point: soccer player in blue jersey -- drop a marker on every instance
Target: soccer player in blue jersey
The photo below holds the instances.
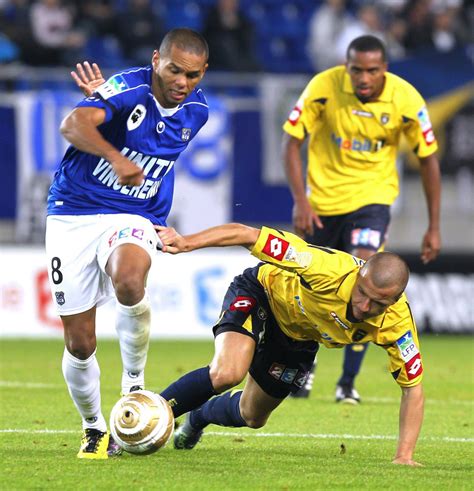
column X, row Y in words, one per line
column 114, row 184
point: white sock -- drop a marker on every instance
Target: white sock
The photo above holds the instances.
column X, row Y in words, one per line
column 133, row 329
column 83, row 381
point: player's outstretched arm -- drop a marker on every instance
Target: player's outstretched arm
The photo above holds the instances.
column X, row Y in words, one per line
column 411, row 418
column 88, row 77
column 230, row 234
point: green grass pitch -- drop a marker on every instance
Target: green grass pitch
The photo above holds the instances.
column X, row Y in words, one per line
column 307, row 444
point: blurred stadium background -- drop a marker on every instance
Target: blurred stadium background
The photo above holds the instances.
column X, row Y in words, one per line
column 233, row 170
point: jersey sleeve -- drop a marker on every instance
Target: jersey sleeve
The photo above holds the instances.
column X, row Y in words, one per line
column 417, row 124
column 406, row 364
column 305, row 115
column 114, row 96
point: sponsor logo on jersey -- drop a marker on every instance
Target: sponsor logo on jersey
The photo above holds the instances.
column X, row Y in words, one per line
column 363, row 114
column 276, row 370
column 60, row 300
column 301, row 379
column 407, row 347
column 154, row 170
column 357, row 145
column 275, row 247
column 384, row 118
column 136, row 117
column 425, row 125
column 243, row 304
column 414, row 367
column 289, row 375
column 160, row 127
column 366, row 237
column 338, row 320
column 112, row 87
column 185, row 134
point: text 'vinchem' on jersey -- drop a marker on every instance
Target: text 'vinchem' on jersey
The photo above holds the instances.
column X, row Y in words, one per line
column 146, row 133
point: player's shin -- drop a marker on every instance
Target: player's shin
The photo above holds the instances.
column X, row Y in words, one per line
column 83, row 382
column 223, row 410
column 189, row 392
column 133, row 329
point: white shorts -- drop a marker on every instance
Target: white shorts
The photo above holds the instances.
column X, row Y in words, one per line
column 78, row 248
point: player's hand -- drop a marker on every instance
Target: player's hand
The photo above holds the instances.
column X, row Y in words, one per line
column 128, row 173
column 172, row 242
column 88, row 77
column 304, row 218
column 404, row 461
column 430, row 246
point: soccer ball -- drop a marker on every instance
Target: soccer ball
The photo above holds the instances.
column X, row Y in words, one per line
column 142, row 422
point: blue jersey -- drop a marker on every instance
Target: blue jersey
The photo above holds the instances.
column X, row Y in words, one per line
column 142, row 130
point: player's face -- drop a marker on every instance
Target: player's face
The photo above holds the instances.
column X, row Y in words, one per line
column 367, row 71
column 368, row 301
column 176, row 74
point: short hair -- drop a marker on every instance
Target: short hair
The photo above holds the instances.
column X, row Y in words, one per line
column 185, row 39
column 367, row 43
column 387, row 270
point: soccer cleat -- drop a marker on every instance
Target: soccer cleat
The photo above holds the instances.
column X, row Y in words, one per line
column 113, row 448
column 347, row 394
column 133, row 388
column 94, row 444
column 186, row 437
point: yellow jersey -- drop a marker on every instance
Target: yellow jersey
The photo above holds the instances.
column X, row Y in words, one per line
column 353, row 145
column 309, row 290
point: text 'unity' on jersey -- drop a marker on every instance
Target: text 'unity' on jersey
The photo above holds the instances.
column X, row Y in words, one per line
column 146, row 133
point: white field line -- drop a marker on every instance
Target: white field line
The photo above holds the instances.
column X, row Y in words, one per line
column 379, row 400
column 319, row 436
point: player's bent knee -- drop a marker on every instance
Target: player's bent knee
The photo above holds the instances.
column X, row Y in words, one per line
column 129, row 289
column 223, row 379
column 80, row 350
column 254, row 423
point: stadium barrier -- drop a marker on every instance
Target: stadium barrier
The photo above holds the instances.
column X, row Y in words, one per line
column 186, row 293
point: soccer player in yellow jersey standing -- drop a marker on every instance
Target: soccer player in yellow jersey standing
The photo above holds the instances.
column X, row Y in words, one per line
column 275, row 315
column 354, row 116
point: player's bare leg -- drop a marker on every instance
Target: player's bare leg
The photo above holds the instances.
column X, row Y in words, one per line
column 82, row 374
column 128, row 267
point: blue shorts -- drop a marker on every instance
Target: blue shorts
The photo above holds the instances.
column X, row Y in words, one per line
column 280, row 364
column 365, row 228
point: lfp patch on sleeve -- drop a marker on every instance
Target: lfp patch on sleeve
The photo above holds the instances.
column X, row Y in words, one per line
column 425, row 125
column 112, row 87
column 276, row 247
column 407, row 346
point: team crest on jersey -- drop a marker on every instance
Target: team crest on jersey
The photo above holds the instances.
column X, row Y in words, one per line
column 185, row 134
column 384, row 118
column 60, row 300
column 160, row 127
column 136, row 117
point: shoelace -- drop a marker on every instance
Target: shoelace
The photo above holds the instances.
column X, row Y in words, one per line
column 93, row 438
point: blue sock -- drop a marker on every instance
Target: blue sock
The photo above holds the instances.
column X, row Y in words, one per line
column 353, row 356
column 221, row 410
column 189, row 392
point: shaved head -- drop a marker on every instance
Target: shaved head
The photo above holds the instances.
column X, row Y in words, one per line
column 387, row 271
column 380, row 283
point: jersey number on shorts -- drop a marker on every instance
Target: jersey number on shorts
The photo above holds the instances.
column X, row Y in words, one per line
column 56, row 274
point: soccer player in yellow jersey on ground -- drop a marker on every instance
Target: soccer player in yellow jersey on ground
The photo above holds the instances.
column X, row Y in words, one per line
column 273, row 318
column 354, row 116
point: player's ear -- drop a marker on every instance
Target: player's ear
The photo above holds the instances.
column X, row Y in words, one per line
column 155, row 59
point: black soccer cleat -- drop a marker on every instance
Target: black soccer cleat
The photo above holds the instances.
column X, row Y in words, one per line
column 346, row 394
column 185, row 436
